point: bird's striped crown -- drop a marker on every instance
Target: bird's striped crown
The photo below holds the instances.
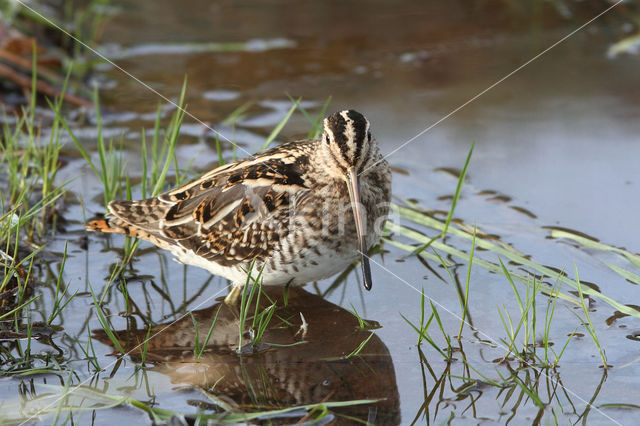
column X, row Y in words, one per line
column 347, row 136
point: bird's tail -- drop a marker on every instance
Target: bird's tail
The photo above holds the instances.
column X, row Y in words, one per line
column 111, row 223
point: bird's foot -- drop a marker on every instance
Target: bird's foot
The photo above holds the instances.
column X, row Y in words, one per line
column 234, row 295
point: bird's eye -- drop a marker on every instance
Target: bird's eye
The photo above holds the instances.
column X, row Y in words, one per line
column 326, row 138
column 368, row 136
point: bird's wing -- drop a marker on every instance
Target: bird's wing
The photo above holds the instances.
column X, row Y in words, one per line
column 231, row 214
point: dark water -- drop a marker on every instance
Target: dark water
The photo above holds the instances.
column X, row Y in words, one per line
column 557, row 144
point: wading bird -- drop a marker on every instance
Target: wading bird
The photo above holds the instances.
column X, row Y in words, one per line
column 299, row 212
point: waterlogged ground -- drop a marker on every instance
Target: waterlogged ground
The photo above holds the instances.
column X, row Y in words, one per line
column 556, row 147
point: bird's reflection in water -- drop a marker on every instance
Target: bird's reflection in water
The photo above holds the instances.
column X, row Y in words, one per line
column 289, row 374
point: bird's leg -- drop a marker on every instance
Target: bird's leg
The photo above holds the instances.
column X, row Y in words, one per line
column 234, row 295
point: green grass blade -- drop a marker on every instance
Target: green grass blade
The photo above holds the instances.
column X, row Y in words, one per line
column 206, row 340
column 276, row 130
column 171, row 141
column 456, row 196
column 18, row 308
column 634, row 259
column 361, row 346
column 627, row 275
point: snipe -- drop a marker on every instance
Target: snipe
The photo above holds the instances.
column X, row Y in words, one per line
column 302, row 211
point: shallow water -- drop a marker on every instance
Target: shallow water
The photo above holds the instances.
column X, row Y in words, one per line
column 556, row 145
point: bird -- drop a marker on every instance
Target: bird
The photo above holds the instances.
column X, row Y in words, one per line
column 299, row 212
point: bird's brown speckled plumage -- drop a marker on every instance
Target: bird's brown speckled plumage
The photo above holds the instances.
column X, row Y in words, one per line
column 287, row 208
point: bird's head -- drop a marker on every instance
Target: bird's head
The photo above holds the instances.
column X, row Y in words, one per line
column 347, row 136
column 348, row 141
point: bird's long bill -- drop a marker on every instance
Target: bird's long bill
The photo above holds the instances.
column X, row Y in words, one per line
column 353, row 183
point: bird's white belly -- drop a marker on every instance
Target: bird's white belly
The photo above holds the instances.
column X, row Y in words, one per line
column 310, row 266
column 307, row 265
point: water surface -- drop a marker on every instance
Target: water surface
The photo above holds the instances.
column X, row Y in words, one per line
column 556, row 145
